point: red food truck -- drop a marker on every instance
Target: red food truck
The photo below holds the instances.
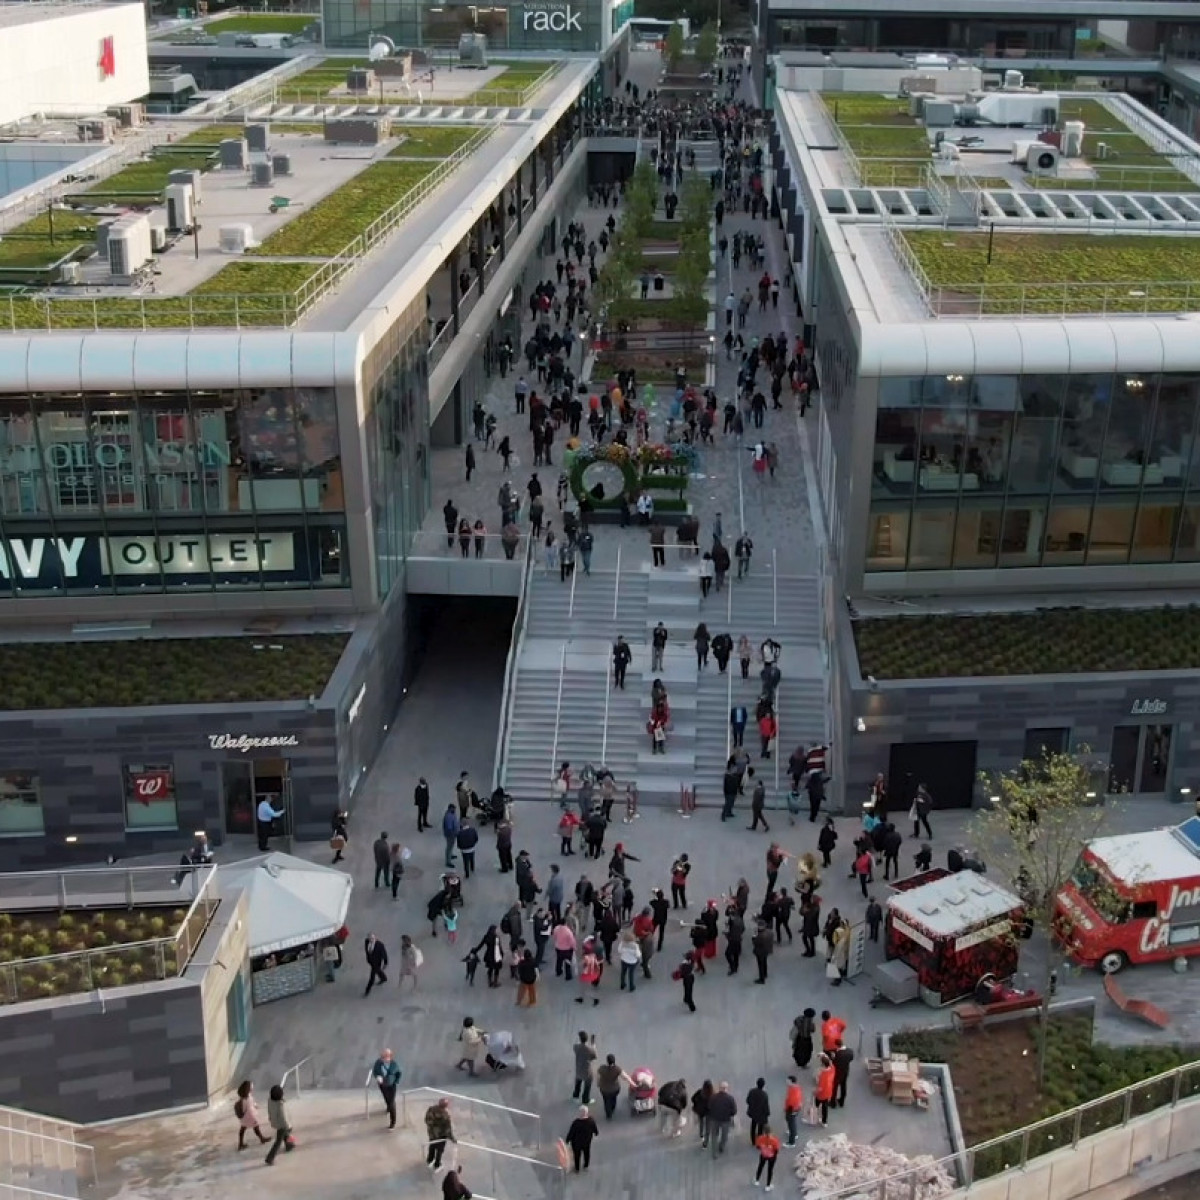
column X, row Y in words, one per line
column 950, row 931
column 1133, row 898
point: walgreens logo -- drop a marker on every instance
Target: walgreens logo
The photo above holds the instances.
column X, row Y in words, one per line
column 245, row 743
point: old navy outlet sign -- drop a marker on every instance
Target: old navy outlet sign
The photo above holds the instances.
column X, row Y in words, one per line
column 91, row 560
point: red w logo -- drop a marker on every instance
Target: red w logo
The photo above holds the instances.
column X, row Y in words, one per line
column 151, row 785
column 108, row 58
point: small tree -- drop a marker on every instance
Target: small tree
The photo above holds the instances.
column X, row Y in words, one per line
column 1041, row 816
column 707, row 45
column 674, row 45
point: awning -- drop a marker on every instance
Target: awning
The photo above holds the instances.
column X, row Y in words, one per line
column 291, row 902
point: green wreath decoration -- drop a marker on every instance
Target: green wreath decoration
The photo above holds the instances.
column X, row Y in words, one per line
column 620, row 457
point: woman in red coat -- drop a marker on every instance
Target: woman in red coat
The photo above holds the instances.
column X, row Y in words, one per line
column 767, row 729
column 824, row 1093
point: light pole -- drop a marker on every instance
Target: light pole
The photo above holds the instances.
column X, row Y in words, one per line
column 712, row 356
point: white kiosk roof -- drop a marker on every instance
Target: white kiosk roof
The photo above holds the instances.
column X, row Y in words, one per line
column 291, row 902
column 952, row 904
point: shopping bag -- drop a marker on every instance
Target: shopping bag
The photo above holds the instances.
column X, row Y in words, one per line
column 809, row 1115
column 831, row 970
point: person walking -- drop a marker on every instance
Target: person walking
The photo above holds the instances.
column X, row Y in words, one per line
column 609, row 1077
column 439, row 1129
column 681, row 868
column 735, row 928
column 700, row 1100
column 527, row 980
column 686, row 974
column 707, row 574
column 672, row 1103
column 660, row 909
column 862, row 869
column 658, row 544
column 467, row 840
column 919, row 812
column 815, row 786
column 703, row 641
column 743, row 549
column 768, row 727
column 793, row 1103
column 277, row 1115
column 874, row 918
column 810, row 925
column 450, row 823
column 585, row 1057
column 745, row 653
column 245, row 1108
column 386, row 1073
column 722, row 1108
column 824, row 1092
column 377, row 961
column 381, row 848
column 266, row 815
column 563, row 940
column 803, row 1030
column 758, row 801
column 504, row 854
column 473, row 1043
column 738, row 716
column 411, row 961
column 762, row 945
column 658, row 646
column 629, row 954
column 421, row 803
column 767, row 1145
column 758, row 1109
column 453, row 1187
column 580, row 1135
column 827, row 840
column 892, row 841
column 622, row 656
column 843, row 1056
column 470, row 460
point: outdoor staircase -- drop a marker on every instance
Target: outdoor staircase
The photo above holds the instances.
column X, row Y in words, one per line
column 601, row 725
column 42, row 1156
column 708, row 154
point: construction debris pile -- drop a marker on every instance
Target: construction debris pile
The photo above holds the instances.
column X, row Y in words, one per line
column 832, row 1164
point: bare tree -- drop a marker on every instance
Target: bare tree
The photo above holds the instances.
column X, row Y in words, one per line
column 1040, row 817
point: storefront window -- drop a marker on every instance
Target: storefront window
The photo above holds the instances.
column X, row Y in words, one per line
column 150, row 796
column 1053, row 470
column 20, row 804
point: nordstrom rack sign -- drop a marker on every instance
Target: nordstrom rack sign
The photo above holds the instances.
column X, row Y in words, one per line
column 551, row 16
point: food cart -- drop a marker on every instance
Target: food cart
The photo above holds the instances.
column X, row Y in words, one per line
column 943, row 934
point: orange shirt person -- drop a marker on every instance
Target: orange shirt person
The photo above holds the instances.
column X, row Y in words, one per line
column 832, row 1029
column 767, row 1145
column 825, row 1082
column 793, row 1102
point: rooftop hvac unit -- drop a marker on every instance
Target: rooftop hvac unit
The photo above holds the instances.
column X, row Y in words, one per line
column 262, row 174
column 1013, row 81
column 129, row 248
column 96, row 129
column 128, row 116
column 256, row 137
column 1020, row 152
column 1042, row 159
column 948, row 152
column 181, row 214
column 360, row 79
column 70, row 272
column 472, row 50
column 1102, row 150
column 158, row 238
column 939, row 114
column 1072, row 139
column 102, row 232
column 236, row 239
column 916, row 103
column 233, row 154
column 188, row 179
column 282, row 164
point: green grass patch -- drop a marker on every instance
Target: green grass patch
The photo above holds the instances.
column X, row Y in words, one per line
column 1029, row 269
column 315, row 85
column 167, row 671
column 332, row 223
column 878, row 127
column 431, row 141
column 141, row 180
column 213, row 135
column 995, row 1080
column 28, row 245
column 1049, row 641
column 263, row 23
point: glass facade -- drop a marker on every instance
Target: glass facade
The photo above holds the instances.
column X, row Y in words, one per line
column 165, row 491
column 990, row 471
column 397, row 426
column 996, row 37
column 527, row 25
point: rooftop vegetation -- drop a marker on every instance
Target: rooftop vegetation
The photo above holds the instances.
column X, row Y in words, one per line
column 431, row 141
column 263, row 23
column 317, row 85
column 57, row 675
column 1036, row 272
column 1047, row 642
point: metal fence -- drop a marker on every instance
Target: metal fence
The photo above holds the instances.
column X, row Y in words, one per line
column 92, row 905
column 30, row 1140
column 1014, row 1151
column 515, row 645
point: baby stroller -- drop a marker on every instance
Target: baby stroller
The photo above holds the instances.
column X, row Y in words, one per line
column 503, row 1052
column 494, row 809
column 643, row 1095
column 452, row 888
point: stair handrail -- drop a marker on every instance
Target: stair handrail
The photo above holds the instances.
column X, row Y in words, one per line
column 774, row 585
column 608, row 690
column 508, row 1108
column 562, row 666
column 617, row 583
column 295, row 1069
column 515, row 645
column 728, row 713
column 571, row 607
column 79, row 1149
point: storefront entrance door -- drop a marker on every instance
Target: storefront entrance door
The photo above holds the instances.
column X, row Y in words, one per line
column 247, row 781
column 1140, row 762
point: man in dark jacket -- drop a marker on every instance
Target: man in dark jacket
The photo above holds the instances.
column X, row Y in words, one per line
column 729, row 789
column 826, row 840
column 762, row 944
column 377, row 960
column 579, row 1137
column 815, row 785
column 892, row 841
column 504, row 846
column 722, row 1108
column 421, row 800
column 735, row 929
column 843, row 1056
column 758, row 1109
column 672, row 1101
column 468, row 839
column 810, row 926
column 382, row 850
column 622, row 656
column 660, row 907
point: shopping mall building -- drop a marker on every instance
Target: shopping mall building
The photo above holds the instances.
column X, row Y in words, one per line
column 175, row 463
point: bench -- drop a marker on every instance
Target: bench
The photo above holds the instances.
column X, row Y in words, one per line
column 974, row 1016
column 1150, row 1013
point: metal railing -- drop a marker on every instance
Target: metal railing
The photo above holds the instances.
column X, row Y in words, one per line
column 26, row 1144
column 527, row 1125
column 608, row 689
column 562, row 668
column 254, row 91
column 116, row 963
column 1014, row 1151
column 294, row 1070
column 515, row 645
